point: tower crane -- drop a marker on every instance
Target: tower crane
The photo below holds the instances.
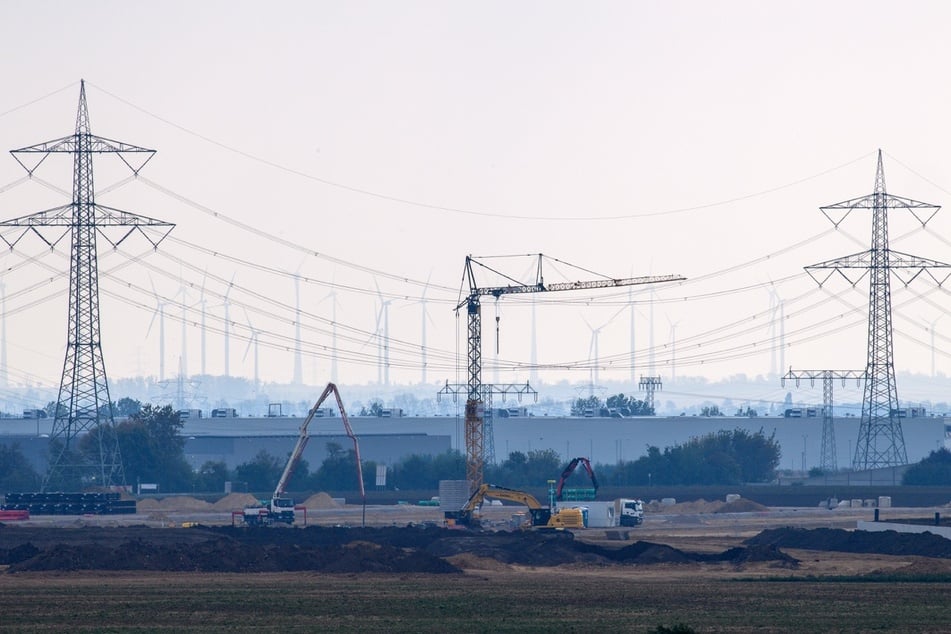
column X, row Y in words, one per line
column 475, row 414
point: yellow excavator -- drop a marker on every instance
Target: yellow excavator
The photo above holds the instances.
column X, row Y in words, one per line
column 542, row 517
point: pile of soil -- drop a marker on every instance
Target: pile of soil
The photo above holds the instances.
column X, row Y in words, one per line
column 741, row 505
column 410, row 549
column 837, row 539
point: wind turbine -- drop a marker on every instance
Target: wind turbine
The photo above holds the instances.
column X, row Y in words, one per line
column 673, row 349
column 160, row 312
column 252, row 341
column 332, row 296
column 203, row 303
column 183, row 361
column 593, row 347
column 227, row 306
column 384, row 359
column 930, row 329
column 776, row 305
column 634, row 312
column 425, row 316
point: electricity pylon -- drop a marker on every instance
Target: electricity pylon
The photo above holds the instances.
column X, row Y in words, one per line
column 83, row 404
column 827, row 453
column 650, row 384
column 488, row 389
column 881, row 442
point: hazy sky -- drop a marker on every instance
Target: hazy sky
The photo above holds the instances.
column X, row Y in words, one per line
column 370, row 146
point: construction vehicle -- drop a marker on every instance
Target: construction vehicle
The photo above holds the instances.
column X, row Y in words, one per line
column 280, row 508
column 542, row 517
column 561, row 493
column 630, row 512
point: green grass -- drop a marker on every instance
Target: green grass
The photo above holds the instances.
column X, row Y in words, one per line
column 546, row 601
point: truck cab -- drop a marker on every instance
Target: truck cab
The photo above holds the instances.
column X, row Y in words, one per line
column 630, row 512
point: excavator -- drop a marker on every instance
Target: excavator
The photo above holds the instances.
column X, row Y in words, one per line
column 280, row 508
column 576, row 494
column 542, row 517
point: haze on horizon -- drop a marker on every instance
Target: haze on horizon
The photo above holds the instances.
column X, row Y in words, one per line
column 333, row 163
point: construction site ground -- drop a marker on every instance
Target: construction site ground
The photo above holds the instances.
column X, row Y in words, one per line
column 178, row 563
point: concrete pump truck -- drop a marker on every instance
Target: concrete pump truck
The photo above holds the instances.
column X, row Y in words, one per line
column 280, row 508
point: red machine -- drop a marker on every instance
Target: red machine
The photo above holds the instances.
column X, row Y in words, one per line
column 588, row 493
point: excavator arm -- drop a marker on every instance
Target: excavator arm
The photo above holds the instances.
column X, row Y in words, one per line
column 571, row 469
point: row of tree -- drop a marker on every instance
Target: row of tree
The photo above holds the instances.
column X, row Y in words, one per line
column 152, row 450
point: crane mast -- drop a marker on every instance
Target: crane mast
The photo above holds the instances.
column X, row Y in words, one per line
column 475, row 414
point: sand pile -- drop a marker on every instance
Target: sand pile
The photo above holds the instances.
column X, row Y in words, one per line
column 148, row 504
column 184, row 503
column 234, row 502
column 685, row 508
column 320, row 501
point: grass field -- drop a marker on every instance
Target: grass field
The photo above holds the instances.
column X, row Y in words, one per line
column 537, row 600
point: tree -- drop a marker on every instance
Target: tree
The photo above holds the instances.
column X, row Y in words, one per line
column 261, row 473
column 211, row 477
column 425, row 471
column 16, row 473
column 338, row 472
column 935, row 470
column 375, row 409
column 724, row 457
column 532, row 469
column 127, row 407
column 628, row 406
column 151, row 448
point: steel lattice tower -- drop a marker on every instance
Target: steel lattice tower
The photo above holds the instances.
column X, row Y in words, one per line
column 83, row 404
column 881, row 442
column 651, row 384
column 827, row 453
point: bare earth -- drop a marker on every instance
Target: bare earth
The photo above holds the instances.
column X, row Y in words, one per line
column 823, row 591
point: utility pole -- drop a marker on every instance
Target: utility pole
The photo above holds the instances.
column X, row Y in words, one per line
column 650, row 384
column 474, row 429
column 83, row 404
column 827, row 457
column 881, row 442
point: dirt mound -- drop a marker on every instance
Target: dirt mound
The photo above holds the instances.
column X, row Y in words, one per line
column 147, row 505
column 320, row 501
column 741, row 505
column 739, row 556
column 234, row 502
column 421, row 549
column 684, row 508
column 923, row 567
column 173, row 503
column 221, row 554
column 837, row 539
column 468, row 561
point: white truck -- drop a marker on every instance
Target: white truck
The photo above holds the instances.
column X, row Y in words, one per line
column 280, row 508
column 630, row 512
